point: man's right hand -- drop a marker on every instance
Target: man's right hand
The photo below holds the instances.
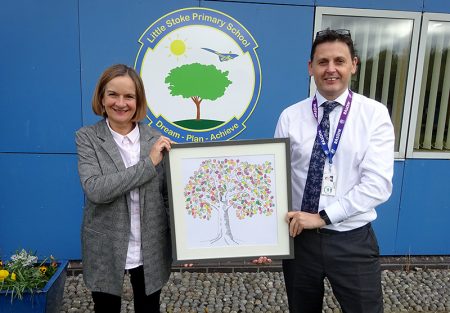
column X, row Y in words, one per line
column 299, row 220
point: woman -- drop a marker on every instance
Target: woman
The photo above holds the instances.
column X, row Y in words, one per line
column 125, row 223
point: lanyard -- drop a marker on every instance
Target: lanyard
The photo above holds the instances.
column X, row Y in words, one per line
column 337, row 135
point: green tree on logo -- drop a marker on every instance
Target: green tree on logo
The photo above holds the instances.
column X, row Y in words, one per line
column 198, row 82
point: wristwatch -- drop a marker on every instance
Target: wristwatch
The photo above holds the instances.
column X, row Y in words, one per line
column 324, row 216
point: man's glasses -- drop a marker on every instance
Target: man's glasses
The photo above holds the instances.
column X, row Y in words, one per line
column 341, row 32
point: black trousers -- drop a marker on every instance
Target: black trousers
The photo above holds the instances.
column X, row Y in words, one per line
column 350, row 261
column 108, row 303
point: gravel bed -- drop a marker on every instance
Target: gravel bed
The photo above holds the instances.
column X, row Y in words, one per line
column 404, row 291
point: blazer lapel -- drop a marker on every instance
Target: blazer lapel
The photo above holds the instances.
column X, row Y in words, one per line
column 146, row 140
column 109, row 145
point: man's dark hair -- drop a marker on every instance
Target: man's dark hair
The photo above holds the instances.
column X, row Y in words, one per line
column 331, row 35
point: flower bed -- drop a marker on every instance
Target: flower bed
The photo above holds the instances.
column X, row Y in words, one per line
column 30, row 287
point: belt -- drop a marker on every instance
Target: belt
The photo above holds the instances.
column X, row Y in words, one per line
column 327, row 231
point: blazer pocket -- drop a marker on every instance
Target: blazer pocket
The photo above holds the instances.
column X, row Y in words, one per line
column 93, row 256
column 162, row 226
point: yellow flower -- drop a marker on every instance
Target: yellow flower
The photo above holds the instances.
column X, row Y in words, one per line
column 54, row 264
column 13, row 276
column 43, row 269
column 3, row 274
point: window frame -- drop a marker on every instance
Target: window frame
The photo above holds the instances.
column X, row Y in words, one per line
column 426, row 19
column 416, row 19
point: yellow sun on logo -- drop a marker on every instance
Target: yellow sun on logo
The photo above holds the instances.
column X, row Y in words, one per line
column 177, row 48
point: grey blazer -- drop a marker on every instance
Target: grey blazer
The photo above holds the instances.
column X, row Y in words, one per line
column 106, row 222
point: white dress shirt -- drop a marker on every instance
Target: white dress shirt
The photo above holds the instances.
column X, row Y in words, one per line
column 130, row 148
column 363, row 162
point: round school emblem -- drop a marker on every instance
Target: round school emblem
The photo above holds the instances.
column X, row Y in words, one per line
column 201, row 74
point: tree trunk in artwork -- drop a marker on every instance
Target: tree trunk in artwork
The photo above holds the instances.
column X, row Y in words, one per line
column 224, row 228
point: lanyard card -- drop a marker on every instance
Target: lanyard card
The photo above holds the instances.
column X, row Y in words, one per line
column 329, row 181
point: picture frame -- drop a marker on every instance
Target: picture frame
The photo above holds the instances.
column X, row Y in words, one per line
column 229, row 199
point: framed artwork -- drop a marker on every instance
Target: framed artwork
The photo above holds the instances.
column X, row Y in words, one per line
column 228, row 200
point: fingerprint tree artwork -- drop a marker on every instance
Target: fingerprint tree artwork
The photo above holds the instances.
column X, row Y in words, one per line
column 222, row 187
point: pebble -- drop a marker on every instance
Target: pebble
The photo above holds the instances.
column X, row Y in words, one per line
column 424, row 290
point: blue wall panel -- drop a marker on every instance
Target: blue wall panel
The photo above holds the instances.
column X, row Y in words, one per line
column 41, row 204
column 291, row 2
column 410, row 5
column 52, row 55
column 386, row 223
column 109, row 34
column 425, row 208
column 39, row 76
column 284, row 36
column 442, row 6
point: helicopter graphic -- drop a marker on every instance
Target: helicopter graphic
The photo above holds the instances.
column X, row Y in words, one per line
column 222, row 56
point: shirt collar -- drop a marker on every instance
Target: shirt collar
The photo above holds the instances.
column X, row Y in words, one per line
column 341, row 99
column 133, row 135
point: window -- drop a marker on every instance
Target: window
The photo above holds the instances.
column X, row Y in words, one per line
column 430, row 136
column 386, row 45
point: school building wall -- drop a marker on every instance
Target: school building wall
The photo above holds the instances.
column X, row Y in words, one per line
column 52, row 53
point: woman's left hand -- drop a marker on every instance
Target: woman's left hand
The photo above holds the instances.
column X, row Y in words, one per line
column 157, row 151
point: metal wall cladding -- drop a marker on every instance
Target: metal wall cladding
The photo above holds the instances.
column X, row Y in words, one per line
column 52, row 55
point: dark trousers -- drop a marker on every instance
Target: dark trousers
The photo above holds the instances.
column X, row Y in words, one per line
column 350, row 261
column 108, row 303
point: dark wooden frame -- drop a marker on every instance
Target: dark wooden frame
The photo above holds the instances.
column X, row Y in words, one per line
column 279, row 148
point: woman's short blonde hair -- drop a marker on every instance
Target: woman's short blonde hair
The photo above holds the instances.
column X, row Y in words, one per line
column 109, row 74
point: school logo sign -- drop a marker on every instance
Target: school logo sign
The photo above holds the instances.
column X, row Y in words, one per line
column 201, row 73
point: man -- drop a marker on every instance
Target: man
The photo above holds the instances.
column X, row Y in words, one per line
column 341, row 170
